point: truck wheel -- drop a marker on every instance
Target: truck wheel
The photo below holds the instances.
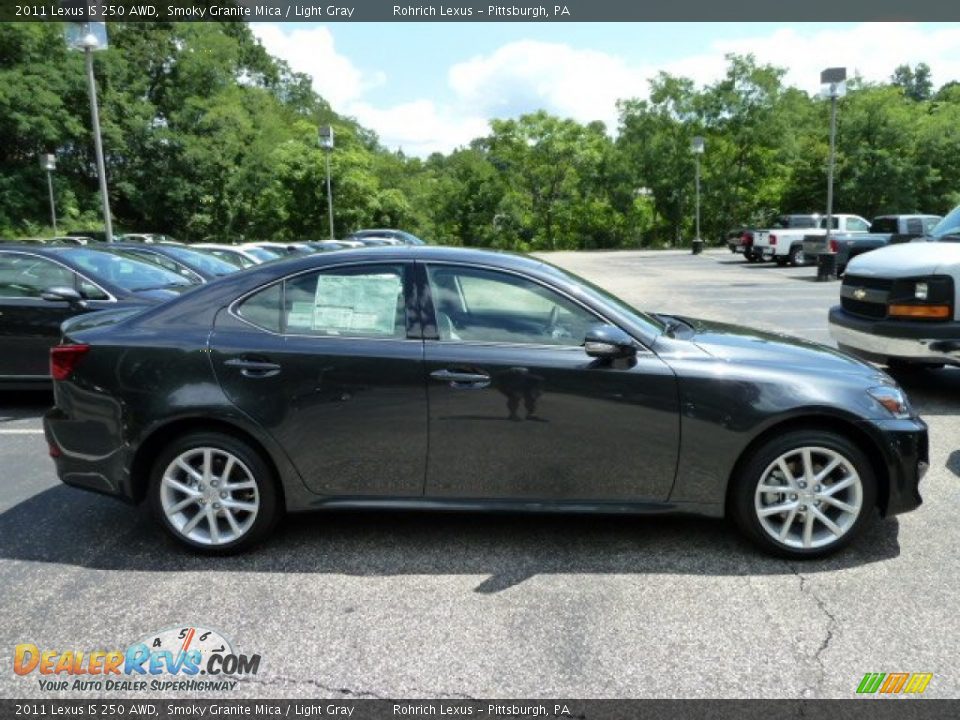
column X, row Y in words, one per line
column 781, row 261
column 796, row 255
column 750, row 257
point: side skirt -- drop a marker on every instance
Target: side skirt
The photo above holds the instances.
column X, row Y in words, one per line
column 514, row 506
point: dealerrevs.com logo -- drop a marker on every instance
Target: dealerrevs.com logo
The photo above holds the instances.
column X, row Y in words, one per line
column 187, row 658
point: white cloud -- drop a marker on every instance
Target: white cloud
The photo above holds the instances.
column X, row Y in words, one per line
column 583, row 83
column 312, row 51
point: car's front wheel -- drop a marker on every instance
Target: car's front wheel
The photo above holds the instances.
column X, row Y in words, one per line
column 805, row 494
column 796, row 256
column 213, row 492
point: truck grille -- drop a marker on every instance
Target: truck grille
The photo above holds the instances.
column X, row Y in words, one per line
column 874, row 294
column 863, row 308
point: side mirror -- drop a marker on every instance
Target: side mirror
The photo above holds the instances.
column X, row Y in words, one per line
column 607, row 341
column 63, row 294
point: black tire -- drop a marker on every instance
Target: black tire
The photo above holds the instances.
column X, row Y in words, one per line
column 267, row 514
column 750, row 257
column 741, row 499
column 781, row 261
column 796, row 257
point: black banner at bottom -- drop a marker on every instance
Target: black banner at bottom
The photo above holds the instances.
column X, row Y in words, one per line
column 875, row 708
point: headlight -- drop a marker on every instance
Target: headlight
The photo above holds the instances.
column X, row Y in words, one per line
column 893, row 399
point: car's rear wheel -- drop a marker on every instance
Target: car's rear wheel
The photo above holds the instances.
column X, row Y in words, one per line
column 805, row 494
column 213, row 492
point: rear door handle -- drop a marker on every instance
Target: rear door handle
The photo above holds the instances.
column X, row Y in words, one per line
column 462, row 379
column 254, row 368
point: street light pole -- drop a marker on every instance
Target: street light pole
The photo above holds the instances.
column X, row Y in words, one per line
column 98, row 144
column 90, row 37
column 325, row 135
column 48, row 162
column 697, row 147
column 833, row 85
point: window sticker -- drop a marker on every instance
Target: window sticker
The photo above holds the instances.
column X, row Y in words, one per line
column 356, row 304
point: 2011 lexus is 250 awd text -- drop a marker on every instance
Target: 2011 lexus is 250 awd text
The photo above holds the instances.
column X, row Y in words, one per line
column 429, row 377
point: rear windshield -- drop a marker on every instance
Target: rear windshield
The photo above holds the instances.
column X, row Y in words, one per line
column 884, row 225
column 203, row 260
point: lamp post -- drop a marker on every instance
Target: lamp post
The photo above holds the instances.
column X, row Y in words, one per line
column 697, row 147
column 833, row 85
column 48, row 161
column 325, row 135
column 91, row 37
column 642, row 193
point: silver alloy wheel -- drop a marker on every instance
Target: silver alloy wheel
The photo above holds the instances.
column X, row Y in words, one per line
column 209, row 496
column 809, row 497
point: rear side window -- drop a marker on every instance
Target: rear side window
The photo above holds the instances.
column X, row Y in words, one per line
column 263, row 308
column 359, row 301
column 857, row 225
column 28, row 276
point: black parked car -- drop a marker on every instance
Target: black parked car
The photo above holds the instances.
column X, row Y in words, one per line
column 42, row 286
column 447, row 378
column 194, row 264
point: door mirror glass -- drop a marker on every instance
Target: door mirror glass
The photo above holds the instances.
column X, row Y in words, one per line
column 62, row 294
column 608, row 341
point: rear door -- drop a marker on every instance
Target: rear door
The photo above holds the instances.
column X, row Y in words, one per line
column 330, row 363
column 30, row 325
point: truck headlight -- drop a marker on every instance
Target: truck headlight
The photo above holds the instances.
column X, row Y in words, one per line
column 893, row 399
column 920, row 291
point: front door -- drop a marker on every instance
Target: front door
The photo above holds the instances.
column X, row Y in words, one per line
column 30, row 325
column 519, row 411
column 330, row 363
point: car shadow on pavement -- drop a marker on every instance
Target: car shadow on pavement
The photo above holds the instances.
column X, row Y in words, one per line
column 931, row 392
column 66, row 526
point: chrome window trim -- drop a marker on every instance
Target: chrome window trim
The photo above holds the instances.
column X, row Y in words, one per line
column 110, row 296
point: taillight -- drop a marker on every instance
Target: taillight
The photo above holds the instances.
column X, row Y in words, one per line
column 834, row 246
column 746, row 239
column 64, row 358
column 773, row 239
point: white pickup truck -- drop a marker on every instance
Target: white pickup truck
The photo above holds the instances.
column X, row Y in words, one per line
column 785, row 244
column 900, row 304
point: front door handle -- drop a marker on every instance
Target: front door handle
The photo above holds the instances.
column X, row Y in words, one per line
column 460, row 379
column 254, row 368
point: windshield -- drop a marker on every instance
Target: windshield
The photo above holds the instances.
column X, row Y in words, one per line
column 202, row 260
column 123, row 270
column 950, row 225
column 261, row 254
column 598, row 293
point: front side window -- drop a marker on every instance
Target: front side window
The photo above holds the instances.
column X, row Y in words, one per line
column 357, row 301
column 28, row 276
column 476, row 305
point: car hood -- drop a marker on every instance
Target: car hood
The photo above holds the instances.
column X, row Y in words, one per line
column 735, row 343
column 907, row 260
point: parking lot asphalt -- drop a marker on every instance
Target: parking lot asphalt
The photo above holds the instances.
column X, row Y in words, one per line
column 446, row 605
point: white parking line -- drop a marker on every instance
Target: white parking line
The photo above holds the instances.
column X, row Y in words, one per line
column 22, row 431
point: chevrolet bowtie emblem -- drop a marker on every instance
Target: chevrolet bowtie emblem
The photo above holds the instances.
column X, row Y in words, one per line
column 859, row 293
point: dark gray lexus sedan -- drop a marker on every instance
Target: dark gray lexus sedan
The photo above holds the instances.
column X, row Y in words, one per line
column 442, row 378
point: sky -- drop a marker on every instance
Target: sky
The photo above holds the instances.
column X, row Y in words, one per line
column 427, row 87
